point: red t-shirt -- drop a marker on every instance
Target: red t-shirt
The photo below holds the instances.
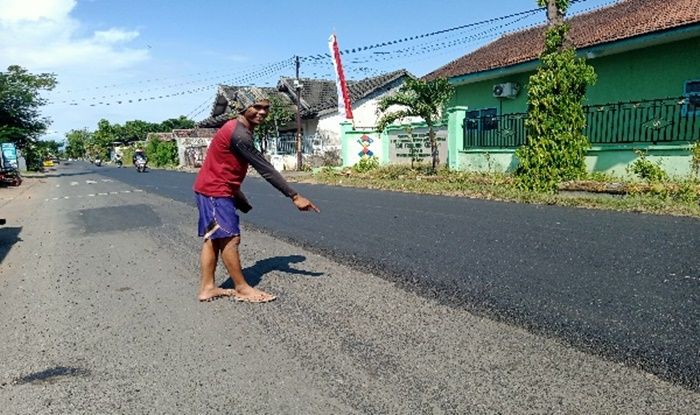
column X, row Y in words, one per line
column 225, row 166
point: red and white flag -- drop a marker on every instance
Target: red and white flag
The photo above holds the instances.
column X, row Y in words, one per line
column 343, row 94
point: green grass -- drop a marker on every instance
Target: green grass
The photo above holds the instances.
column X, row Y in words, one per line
column 680, row 198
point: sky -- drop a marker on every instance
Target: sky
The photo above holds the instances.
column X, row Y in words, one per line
column 152, row 60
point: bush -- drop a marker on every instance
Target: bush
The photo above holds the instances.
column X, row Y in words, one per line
column 646, row 170
column 366, row 164
column 695, row 158
column 162, row 153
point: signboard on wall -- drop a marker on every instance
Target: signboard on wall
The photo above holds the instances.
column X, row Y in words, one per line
column 9, row 155
column 406, row 146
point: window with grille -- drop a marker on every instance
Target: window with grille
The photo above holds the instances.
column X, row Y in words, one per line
column 691, row 107
column 481, row 120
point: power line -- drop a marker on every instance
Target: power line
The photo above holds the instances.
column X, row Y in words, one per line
column 141, row 81
column 324, row 59
column 245, row 78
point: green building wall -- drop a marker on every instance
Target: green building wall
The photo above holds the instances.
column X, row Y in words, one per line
column 652, row 72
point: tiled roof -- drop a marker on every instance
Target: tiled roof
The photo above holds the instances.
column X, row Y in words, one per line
column 232, row 99
column 194, row 132
column 316, row 95
column 160, row 136
column 623, row 20
column 321, row 94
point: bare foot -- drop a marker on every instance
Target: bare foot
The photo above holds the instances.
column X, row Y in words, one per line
column 249, row 294
column 210, row 294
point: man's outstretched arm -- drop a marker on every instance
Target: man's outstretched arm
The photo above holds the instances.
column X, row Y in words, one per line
column 255, row 158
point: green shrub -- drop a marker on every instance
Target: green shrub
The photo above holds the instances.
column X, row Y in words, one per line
column 695, row 158
column 161, row 153
column 647, row 170
column 366, row 164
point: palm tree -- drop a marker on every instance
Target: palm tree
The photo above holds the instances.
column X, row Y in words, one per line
column 418, row 98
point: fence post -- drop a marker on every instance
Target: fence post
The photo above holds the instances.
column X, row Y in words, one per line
column 345, row 143
column 455, row 134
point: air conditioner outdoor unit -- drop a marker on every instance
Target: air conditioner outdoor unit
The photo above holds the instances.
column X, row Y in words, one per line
column 506, row 90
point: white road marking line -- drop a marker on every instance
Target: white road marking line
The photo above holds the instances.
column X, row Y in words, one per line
column 107, row 180
column 66, row 197
column 90, row 181
column 91, row 195
column 126, row 191
column 55, row 198
column 138, row 190
column 74, row 183
column 58, row 185
column 102, row 194
column 113, row 193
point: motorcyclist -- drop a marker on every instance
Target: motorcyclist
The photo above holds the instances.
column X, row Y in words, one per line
column 118, row 160
column 139, row 154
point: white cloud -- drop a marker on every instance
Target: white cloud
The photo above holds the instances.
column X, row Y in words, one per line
column 41, row 35
column 34, row 10
column 115, row 36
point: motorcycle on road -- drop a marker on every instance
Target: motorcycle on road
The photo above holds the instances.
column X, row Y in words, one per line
column 140, row 165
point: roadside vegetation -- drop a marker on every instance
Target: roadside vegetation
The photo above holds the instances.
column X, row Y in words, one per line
column 596, row 191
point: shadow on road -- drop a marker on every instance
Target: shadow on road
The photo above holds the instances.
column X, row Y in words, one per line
column 254, row 274
column 8, row 237
column 51, row 375
column 51, row 173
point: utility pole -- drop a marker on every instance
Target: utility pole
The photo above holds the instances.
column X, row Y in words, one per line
column 297, row 87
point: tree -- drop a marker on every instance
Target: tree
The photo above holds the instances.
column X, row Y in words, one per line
column 279, row 116
column 20, row 100
column 77, row 141
column 135, row 130
column 556, row 146
column 101, row 141
column 417, row 98
column 161, row 153
column 170, row 124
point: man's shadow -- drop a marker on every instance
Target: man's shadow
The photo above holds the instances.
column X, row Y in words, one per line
column 254, row 274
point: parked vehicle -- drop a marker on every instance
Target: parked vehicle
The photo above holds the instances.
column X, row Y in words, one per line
column 10, row 176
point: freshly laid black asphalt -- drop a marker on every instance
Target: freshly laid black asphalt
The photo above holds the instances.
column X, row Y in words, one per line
column 622, row 285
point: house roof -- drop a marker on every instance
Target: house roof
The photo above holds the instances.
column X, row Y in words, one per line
column 321, row 94
column 317, row 95
column 623, row 20
column 232, row 99
column 193, row 132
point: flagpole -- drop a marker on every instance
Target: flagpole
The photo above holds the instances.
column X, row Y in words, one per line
column 344, row 104
column 297, row 86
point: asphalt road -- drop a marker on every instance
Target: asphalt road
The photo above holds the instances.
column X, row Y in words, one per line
column 98, row 314
column 623, row 285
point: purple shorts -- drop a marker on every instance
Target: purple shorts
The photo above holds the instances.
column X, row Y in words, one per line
column 217, row 217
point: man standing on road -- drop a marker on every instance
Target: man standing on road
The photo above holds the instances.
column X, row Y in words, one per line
column 218, row 193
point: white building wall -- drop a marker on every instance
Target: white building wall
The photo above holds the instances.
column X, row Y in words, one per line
column 365, row 114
